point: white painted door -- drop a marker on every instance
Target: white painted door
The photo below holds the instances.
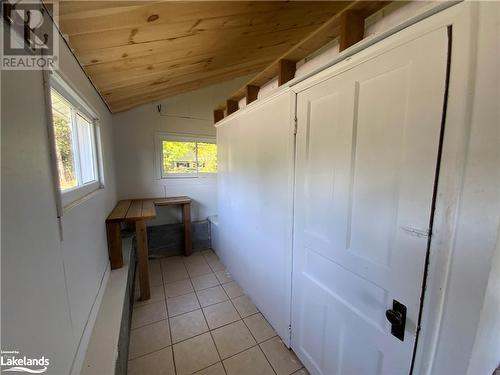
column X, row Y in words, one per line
column 367, row 150
column 255, row 202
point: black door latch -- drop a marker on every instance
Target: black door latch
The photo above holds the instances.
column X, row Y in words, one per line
column 397, row 317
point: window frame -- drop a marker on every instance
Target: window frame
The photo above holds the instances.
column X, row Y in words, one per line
column 78, row 108
column 160, row 137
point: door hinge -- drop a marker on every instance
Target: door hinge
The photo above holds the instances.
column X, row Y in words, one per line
column 295, row 125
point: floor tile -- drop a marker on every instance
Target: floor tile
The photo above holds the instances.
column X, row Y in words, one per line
column 182, row 304
column 154, row 265
column 178, row 288
column 194, row 260
column 205, row 281
column 224, row 277
column 157, row 295
column 173, row 267
column 244, row 306
column 175, row 275
column 148, row 339
column 155, row 279
column 216, row 369
column 302, row 371
column 147, row 314
column 211, row 296
column 220, row 314
column 158, row 363
column 259, row 327
column 282, row 359
column 185, row 283
column 169, row 261
column 195, row 354
column 232, row 339
column 250, row 362
column 233, row 290
column 187, row 325
column 198, row 270
column 216, row 265
column 211, row 257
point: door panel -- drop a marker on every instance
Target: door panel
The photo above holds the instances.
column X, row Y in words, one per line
column 255, row 190
column 367, row 147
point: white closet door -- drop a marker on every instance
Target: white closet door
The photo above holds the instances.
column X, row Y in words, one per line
column 255, row 203
column 367, row 150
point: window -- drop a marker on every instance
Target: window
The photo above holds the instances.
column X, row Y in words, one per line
column 75, row 144
column 182, row 156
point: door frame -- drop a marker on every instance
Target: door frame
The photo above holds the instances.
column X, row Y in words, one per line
column 462, row 19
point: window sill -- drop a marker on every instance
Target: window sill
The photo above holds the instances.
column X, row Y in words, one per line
column 181, row 176
column 83, row 198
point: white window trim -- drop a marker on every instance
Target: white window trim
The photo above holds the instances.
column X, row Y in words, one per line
column 163, row 136
column 70, row 197
column 71, row 95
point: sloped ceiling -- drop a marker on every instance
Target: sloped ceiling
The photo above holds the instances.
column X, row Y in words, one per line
column 140, row 51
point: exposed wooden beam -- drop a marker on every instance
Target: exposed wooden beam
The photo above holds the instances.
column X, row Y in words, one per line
column 286, row 71
column 352, row 28
column 322, row 35
column 218, row 115
column 232, row 106
column 252, row 93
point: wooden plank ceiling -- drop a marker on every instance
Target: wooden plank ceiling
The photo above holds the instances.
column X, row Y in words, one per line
column 137, row 52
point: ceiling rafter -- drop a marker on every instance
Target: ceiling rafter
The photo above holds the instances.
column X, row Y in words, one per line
column 347, row 23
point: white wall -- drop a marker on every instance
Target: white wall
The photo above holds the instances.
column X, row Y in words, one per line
column 189, row 113
column 48, row 286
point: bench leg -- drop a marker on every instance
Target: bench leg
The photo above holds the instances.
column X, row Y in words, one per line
column 142, row 259
column 186, row 219
column 114, row 245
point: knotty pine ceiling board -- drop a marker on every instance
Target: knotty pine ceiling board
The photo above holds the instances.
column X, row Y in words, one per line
column 141, row 51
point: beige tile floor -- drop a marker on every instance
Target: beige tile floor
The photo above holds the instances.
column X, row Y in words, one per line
column 199, row 321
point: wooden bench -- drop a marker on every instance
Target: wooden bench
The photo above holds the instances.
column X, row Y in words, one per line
column 138, row 211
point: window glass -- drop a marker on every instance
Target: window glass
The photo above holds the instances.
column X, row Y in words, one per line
column 85, row 149
column 188, row 158
column 207, row 157
column 179, row 157
column 61, row 115
column 74, row 138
